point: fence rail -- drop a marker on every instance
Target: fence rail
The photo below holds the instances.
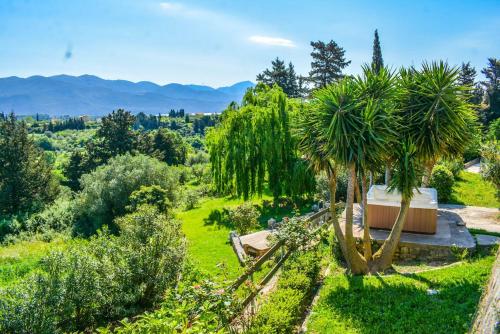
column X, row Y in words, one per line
column 319, row 219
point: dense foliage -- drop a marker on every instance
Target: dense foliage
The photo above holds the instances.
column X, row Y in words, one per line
column 244, row 217
column 281, row 311
column 253, row 144
column 106, row 191
column 26, row 181
column 103, row 279
column 442, row 180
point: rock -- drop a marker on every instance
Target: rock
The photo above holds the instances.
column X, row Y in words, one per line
column 432, row 292
column 271, row 223
column 484, row 240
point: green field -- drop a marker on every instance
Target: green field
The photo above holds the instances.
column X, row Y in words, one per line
column 400, row 303
column 208, row 237
column 19, row 259
column 472, row 189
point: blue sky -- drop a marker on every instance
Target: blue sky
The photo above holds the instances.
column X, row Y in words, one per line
column 221, row 42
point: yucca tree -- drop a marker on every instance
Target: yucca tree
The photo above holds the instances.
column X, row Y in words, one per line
column 333, row 123
column 436, row 112
column 315, row 149
column 405, row 180
column 376, row 93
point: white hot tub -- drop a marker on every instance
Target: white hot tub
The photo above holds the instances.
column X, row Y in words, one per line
column 383, row 209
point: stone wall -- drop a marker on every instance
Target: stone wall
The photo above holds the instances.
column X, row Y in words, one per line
column 487, row 318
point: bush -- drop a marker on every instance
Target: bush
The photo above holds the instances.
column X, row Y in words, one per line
column 490, row 166
column 106, row 191
column 192, row 198
column 99, row 280
column 244, row 217
column 284, row 307
column 454, row 166
column 494, row 130
column 442, row 180
column 150, row 195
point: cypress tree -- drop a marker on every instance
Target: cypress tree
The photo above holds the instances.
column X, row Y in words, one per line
column 377, row 61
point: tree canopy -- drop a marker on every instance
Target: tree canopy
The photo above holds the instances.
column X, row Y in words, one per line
column 328, row 63
column 377, row 61
column 25, row 175
column 253, row 144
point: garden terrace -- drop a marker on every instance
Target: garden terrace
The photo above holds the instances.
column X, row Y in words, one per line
column 449, row 237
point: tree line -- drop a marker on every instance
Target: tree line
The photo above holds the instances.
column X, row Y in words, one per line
column 329, row 61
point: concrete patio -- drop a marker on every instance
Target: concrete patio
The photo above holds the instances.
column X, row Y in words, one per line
column 422, row 246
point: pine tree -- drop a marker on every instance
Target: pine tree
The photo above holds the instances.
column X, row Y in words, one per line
column 467, row 78
column 25, row 177
column 328, row 63
column 276, row 75
column 492, row 87
column 377, row 61
column 467, row 75
column 292, row 85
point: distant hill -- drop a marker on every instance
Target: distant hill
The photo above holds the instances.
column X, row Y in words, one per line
column 91, row 95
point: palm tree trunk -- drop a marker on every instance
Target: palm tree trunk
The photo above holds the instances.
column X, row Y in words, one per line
column 387, row 175
column 356, row 191
column 332, row 182
column 426, row 179
column 382, row 259
column 367, row 242
column 358, row 264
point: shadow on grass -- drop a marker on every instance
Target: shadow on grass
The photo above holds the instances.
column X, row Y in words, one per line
column 284, row 208
column 379, row 304
column 218, row 218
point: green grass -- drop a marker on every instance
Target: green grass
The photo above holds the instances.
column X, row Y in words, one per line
column 208, row 237
column 481, row 231
column 400, row 303
column 208, row 244
column 18, row 260
column 472, row 189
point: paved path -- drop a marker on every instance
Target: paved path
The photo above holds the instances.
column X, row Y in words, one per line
column 474, row 216
column 476, row 168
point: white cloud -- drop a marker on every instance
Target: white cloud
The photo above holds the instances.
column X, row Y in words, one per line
column 274, row 41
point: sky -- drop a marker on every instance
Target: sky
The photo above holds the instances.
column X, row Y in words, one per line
column 221, row 42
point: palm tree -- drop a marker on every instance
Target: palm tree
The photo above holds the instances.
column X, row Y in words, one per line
column 376, row 93
column 330, row 137
column 436, row 112
column 405, row 179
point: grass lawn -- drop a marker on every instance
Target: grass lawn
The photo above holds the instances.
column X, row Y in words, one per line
column 208, row 237
column 208, row 244
column 471, row 189
column 400, row 303
column 19, row 259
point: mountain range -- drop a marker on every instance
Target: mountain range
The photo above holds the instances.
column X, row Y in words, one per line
column 94, row 96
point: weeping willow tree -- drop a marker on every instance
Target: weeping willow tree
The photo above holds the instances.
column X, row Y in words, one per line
column 253, row 145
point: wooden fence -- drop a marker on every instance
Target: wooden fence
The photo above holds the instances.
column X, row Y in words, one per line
column 318, row 219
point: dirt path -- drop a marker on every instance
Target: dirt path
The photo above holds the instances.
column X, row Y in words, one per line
column 476, row 168
column 474, row 216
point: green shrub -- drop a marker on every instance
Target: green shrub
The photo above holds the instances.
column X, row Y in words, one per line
column 106, row 191
column 283, row 309
column 442, row 180
column 280, row 312
column 191, row 198
column 454, row 166
column 490, row 168
column 494, row 130
column 96, row 281
column 244, row 217
column 150, row 195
